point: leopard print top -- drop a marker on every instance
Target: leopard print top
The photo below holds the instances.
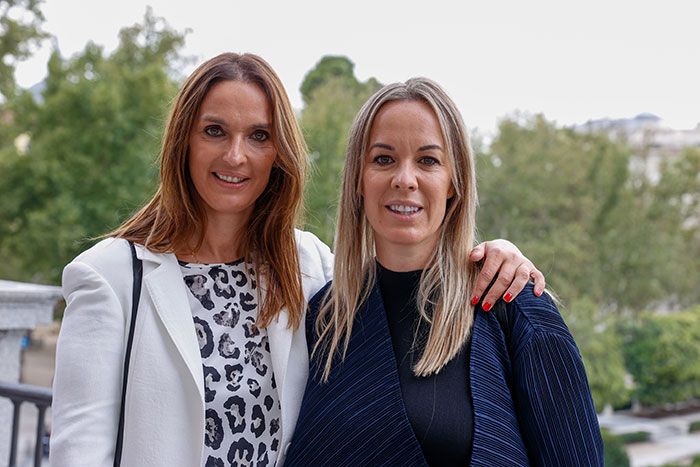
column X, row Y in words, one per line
column 242, row 419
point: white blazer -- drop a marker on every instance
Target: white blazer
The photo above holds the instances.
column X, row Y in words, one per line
column 164, row 414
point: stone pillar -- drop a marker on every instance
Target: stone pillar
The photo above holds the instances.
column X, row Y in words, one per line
column 22, row 307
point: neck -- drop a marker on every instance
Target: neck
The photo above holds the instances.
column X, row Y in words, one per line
column 403, row 258
column 221, row 243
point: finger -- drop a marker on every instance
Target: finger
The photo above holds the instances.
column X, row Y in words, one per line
column 478, row 252
column 503, row 281
column 520, row 278
column 489, row 270
column 540, row 283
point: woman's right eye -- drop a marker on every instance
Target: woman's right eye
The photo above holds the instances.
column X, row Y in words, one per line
column 214, row 130
column 383, row 160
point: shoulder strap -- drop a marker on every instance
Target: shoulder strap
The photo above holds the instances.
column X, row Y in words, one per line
column 137, row 269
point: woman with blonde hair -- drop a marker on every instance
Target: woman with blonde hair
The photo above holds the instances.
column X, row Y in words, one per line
column 180, row 343
column 404, row 371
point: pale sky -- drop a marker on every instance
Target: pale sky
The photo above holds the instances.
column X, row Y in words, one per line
column 571, row 60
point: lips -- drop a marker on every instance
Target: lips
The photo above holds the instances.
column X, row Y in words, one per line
column 230, row 178
column 404, row 209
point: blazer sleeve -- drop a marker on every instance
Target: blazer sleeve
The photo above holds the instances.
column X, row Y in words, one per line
column 553, row 400
column 89, row 361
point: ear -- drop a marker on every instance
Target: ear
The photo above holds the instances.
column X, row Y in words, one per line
column 451, row 192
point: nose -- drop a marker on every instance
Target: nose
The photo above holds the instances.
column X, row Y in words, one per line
column 235, row 153
column 405, row 178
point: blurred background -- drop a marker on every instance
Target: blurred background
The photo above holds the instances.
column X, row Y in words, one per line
column 585, row 120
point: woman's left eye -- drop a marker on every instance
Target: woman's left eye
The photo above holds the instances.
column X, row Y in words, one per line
column 429, row 160
column 260, row 136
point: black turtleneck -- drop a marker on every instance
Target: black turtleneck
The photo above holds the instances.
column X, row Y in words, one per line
column 438, row 406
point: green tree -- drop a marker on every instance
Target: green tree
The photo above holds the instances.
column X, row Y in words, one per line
column 20, row 31
column 614, row 450
column 333, row 96
column 93, row 140
column 570, row 202
column 601, row 349
column 675, row 211
column 662, row 352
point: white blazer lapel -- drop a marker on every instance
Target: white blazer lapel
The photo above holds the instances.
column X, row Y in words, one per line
column 290, row 363
column 166, row 288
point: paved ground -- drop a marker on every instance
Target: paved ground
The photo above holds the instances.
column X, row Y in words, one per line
column 670, row 439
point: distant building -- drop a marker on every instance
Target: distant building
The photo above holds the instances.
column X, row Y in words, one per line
column 652, row 141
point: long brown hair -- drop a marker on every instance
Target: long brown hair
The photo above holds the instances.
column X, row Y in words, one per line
column 449, row 275
column 174, row 216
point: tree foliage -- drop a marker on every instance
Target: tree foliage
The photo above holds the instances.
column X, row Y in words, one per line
column 662, row 353
column 333, row 96
column 614, row 450
column 601, row 349
column 20, row 31
column 93, row 139
column 571, row 203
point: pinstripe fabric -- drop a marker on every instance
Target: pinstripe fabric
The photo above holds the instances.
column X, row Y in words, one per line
column 532, row 404
column 357, row 418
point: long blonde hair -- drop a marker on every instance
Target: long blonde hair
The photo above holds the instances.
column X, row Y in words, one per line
column 449, row 275
column 174, row 215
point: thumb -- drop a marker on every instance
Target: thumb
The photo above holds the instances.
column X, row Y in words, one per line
column 478, row 252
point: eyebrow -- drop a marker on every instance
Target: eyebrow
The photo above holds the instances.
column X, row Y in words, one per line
column 219, row 121
column 428, row 147
column 383, row 146
column 388, row 147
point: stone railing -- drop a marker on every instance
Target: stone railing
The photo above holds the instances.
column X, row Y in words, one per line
column 22, row 308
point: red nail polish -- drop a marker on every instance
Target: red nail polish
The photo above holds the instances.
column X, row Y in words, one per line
column 475, row 299
column 486, row 306
column 538, row 292
column 508, row 297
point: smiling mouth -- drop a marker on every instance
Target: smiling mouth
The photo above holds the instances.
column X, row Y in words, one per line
column 228, row 179
column 404, row 210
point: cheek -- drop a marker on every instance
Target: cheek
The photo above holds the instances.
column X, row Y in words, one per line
column 371, row 189
column 196, row 161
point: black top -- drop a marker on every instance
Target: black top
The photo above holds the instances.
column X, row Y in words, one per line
column 439, row 406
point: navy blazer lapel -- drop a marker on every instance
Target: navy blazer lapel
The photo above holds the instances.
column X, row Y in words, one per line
column 360, row 410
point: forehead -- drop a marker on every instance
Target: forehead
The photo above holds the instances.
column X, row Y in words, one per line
column 406, row 118
column 236, row 98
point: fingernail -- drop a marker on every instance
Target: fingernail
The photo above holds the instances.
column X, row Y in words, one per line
column 475, row 299
column 486, row 306
column 508, row 297
column 538, row 292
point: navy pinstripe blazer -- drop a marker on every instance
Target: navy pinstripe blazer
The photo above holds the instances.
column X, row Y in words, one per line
column 531, row 400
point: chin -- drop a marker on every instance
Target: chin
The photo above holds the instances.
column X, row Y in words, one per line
column 405, row 239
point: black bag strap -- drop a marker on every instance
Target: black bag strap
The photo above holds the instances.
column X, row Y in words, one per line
column 137, row 268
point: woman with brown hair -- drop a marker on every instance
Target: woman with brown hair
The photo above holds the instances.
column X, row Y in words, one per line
column 404, row 369
column 216, row 362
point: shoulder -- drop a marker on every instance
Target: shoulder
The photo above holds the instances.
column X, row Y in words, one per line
column 528, row 318
column 318, row 299
column 315, row 258
column 107, row 257
column 108, row 262
column 540, row 313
